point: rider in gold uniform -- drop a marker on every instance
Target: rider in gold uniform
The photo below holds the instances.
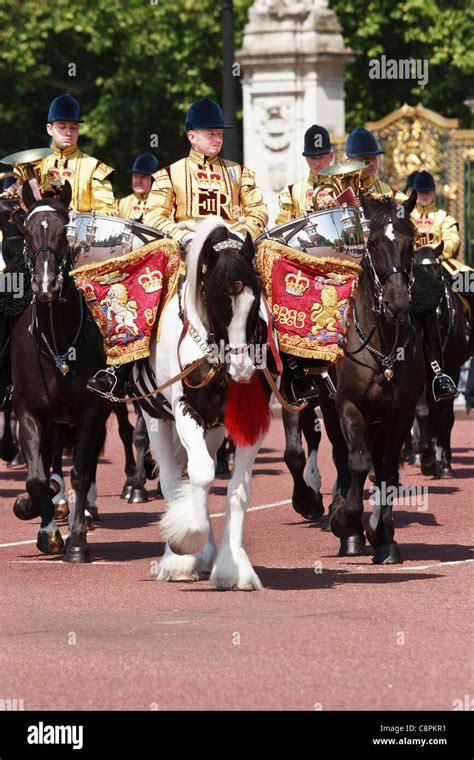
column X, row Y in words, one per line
column 90, row 179
column 297, row 199
column 136, row 205
column 190, row 189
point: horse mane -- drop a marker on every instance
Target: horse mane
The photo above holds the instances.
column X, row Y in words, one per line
column 385, row 210
column 194, row 302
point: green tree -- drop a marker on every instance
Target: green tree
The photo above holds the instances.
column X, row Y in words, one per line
column 439, row 31
column 138, row 66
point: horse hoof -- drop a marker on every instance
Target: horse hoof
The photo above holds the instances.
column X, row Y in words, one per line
column 387, row 554
column 17, row 461
column 342, row 525
column 415, row 459
column 138, row 496
column 79, row 554
column 445, row 473
column 352, row 546
column 126, row 491
column 49, row 543
column 94, row 512
column 428, row 468
column 23, row 508
column 61, row 513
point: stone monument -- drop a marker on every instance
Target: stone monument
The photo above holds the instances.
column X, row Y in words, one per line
column 292, row 63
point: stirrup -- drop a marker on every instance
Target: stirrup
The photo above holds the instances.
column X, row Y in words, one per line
column 439, row 376
column 108, row 395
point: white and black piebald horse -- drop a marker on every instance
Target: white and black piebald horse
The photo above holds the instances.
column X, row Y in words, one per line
column 219, row 317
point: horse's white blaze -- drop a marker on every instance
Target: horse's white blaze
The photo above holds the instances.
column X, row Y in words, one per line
column 44, row 283
column 389, row 231
column 241, row 367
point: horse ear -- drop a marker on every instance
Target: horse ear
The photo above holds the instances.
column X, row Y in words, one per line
column 27, row 195
column 410, row 202
column 248, row 248
column 66, row 194
column 439, row 249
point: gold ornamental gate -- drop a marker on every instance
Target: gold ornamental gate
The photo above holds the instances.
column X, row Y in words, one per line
column 415, row 138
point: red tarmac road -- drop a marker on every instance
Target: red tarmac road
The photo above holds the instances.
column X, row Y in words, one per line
column 348, row 636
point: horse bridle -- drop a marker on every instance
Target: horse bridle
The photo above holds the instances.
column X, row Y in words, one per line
column 62, row 258
column 380, row 280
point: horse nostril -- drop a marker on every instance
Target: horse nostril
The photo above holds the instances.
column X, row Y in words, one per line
column 235, row 288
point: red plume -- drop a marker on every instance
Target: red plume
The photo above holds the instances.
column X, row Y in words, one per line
column 247, row 412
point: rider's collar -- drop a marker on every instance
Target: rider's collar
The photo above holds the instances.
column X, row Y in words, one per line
column 72, row 152
column 422, row 210
column 200, row 158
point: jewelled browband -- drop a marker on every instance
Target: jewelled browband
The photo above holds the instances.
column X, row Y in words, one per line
column 227, row 244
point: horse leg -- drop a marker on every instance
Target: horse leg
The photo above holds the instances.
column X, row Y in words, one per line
column 346, row 518
column 427, row 455
column 138, row 493
column 89, row 436
column 353, row 545
column 8, row 448
column 125, row 428
column 380, row 530
column 233, row 569
column 444, row 426
column 39, row 501
column 306, row 501
column 171, row 567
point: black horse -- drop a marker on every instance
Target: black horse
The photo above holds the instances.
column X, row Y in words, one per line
column 436, row 420
column 380, row 380
column 55, row 348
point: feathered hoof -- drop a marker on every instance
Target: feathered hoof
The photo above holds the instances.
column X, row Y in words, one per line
column 23, row 508
column 77, row 554
column 387, row 554
column 249, row 583
column 49, row 542
column 177, row 569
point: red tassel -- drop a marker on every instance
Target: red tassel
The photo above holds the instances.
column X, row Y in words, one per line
column 247, row 412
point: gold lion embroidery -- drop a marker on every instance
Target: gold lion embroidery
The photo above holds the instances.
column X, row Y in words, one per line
column 120, row 310
column 324, row 315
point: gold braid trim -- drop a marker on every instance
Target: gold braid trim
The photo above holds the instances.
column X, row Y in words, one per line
column 333, row 264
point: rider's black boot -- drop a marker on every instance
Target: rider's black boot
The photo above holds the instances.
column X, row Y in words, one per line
column 442, row 386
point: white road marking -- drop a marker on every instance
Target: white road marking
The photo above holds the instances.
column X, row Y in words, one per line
column 437, row 564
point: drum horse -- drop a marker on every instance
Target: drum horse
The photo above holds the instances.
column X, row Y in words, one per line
column 382, row 374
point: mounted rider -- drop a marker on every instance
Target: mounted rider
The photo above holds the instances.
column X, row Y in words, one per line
column 362, row 145
column 90, row 179
column 136, row 205
column 297, row 200
column 435, row 226
column 192, row 188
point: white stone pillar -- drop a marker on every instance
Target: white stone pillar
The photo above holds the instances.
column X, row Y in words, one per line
column 292, row 62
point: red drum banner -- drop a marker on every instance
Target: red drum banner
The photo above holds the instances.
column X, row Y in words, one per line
column 309, row 298
column 126, row 297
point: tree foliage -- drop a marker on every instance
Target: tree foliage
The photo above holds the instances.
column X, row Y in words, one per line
column 140, row 63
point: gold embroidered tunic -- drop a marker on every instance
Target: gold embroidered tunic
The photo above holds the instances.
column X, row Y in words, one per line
column 434, row 225
column 297, row 199
column 90, row 179
column 197, row 186
column 133, row 206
